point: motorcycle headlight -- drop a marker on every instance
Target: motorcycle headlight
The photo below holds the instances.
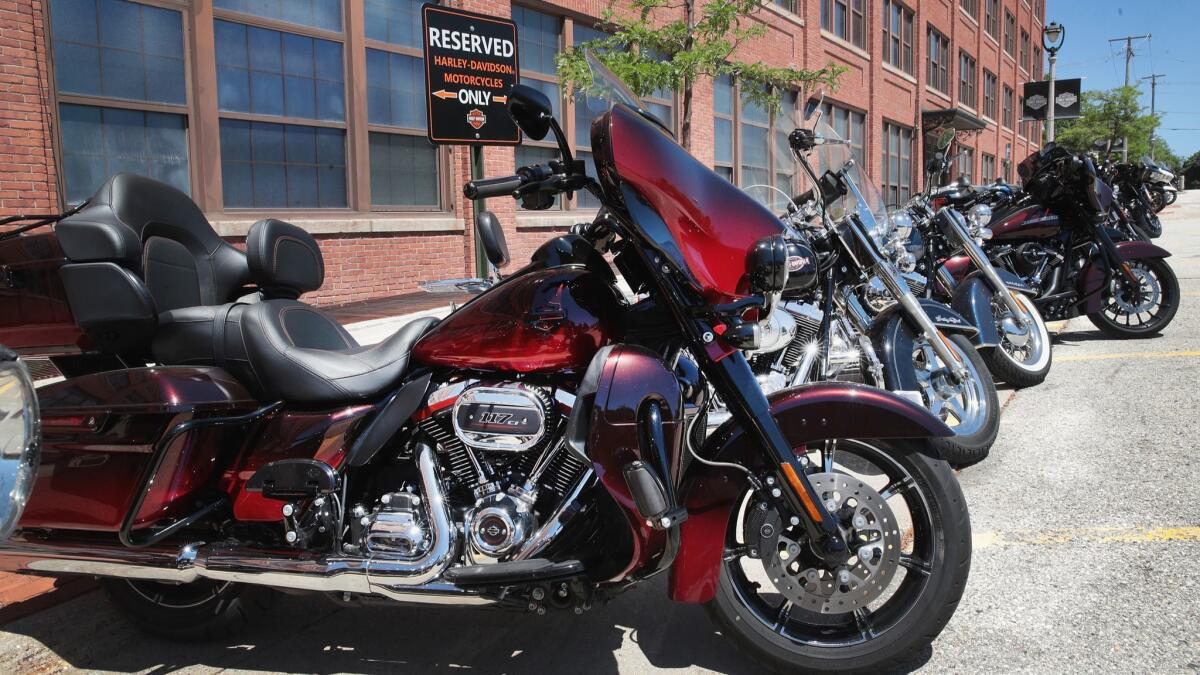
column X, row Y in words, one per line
column 902, row 224
column 979, row 216
column 20, row 439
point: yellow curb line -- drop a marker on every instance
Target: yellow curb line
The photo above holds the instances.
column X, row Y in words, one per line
column 1109, row 535
column 1126, row 355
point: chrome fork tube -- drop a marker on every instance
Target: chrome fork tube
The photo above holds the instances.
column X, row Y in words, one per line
column 977, row 256
column 883, row 269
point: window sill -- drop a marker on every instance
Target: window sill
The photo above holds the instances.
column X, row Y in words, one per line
column 968, row 16
column 994, row 40
column 843, row 43
column 556, row 219
column 790, row 16
column 897, row 71
column 238, row 225
column 939, row 94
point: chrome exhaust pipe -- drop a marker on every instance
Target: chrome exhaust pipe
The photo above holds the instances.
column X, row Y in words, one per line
column 394, row 578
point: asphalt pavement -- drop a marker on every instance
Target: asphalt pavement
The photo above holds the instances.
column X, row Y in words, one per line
column 1086, row 523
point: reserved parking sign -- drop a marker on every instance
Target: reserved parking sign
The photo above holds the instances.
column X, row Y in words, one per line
column 470, row 65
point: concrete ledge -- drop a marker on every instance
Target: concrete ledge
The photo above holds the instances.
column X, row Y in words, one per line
column 349, row 224
column 554, row 218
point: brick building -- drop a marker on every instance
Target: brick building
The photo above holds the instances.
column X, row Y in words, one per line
column 311, row 110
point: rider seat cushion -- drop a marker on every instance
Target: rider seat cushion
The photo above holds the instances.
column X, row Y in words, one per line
column 285, row 260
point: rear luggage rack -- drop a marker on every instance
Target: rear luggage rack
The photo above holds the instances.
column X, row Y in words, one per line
column 39, row 220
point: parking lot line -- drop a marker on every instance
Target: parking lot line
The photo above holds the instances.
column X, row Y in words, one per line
column 1103, row 535
column 1126, row 355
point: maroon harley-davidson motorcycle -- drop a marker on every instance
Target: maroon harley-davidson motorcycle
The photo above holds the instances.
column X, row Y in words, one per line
column 542, row 448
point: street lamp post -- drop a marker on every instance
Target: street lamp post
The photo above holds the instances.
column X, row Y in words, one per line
column 1053, row 37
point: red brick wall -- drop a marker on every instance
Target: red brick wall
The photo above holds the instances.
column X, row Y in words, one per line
column 27, row 175
column 365, row 266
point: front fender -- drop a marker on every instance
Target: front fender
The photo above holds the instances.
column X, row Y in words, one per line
column 973, row 299
column 1093, row 276
column 805, row 414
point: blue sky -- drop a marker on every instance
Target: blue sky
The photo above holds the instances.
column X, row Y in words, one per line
column 1174, row 51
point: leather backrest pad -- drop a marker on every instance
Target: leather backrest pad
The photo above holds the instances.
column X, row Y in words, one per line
column 285, row 260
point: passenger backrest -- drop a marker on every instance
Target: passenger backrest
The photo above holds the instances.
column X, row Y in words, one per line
column 148, row 249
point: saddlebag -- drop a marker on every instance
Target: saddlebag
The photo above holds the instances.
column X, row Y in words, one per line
column 100, row 434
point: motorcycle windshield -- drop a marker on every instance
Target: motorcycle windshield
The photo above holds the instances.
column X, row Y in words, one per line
column 862, row 197
column 700, row 222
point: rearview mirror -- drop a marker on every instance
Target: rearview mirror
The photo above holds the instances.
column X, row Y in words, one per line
column 813, row 105
column 945, row 138
column 531, row 110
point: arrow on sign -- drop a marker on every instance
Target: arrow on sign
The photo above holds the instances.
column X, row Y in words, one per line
column 500, row 99
column 442, row 93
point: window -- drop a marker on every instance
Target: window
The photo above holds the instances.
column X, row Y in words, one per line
column 262, row 72
column 1021, row 115
column 1037, row 63
column 324, row 14
column 990, row 83
column 991, row 18
column 898, row 35
column 971, row 7
column 846, row 19
column 1010, row 33
column 584, row 113
column 897, row 163
column 939, row 61
column 987, row 170
column 964, row 166
column 850, row 125
column 723, row 121
column 404, row 165
column 1008, row 107
column 1024, row 50
column 1039, row 10
column 966, row 79
column 120, row 78
column 792, row 6
column 539, row 37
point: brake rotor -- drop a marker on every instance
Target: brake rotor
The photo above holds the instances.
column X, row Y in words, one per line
column 1145, row 296
column 804, row 579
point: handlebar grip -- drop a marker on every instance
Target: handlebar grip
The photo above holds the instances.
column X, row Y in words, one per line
column 492, row 187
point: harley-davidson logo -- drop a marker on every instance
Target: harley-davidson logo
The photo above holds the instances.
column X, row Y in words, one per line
column 796, row 263
column 476, row 118
column 1036, row 102
column 1066, row 99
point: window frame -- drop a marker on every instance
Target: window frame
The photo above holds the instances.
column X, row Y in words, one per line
column 1023, row 62
column 736, row 120
column 991, row 18
column 1010, row 34
column 940, row 71
column 968, row 79
column 1008, row 121
column 856, row 21
column 991, row 91
column 970, row 8
column 187, row 110
column 905, row 42
column 984, row 160
column 903, row 191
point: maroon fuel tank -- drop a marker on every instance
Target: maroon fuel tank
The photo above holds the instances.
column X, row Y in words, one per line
column 1028, row 222
column 541, row 321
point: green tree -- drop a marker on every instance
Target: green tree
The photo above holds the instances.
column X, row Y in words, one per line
column 1108, row 116
column 650, row 54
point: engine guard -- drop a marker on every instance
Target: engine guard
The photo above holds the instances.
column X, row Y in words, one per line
column 805, row 414
column 1094, row 277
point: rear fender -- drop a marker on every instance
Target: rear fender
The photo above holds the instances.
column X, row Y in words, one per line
column 1093, row 276
column 805, row 414
column 973, row 299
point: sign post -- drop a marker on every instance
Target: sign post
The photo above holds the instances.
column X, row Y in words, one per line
column 470, row 66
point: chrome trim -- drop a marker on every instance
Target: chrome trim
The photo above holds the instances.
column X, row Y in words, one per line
column 984, row 265
column 567, row 509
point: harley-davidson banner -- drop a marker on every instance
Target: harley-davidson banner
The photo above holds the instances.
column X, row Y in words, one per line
column 470, row 65
column 1037, row 101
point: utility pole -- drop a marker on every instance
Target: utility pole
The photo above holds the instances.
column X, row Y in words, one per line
column 1153, row 85
column 1128, row 39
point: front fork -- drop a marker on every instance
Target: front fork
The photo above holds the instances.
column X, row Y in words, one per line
column 959, row 230
column 1114, row 259
column 883, row 269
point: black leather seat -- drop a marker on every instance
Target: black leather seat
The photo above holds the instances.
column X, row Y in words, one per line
column 280, row 347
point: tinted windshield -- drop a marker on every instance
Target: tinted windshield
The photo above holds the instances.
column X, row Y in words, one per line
column 607, row 90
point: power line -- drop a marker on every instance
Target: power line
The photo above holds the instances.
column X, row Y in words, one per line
column 1128, row 60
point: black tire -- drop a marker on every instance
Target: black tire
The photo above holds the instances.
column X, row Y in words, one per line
column 201, row 610
column 1169, row 290
column 1006, row 368
column 922, row 618
column 971, row 446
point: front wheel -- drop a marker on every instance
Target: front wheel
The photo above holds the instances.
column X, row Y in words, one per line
column 792, row 610
column 1023, row 356
column 1129, row 312
column 201, row 610
column 970, row 407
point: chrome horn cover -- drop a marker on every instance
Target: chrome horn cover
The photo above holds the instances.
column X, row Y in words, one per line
column 20, row 440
